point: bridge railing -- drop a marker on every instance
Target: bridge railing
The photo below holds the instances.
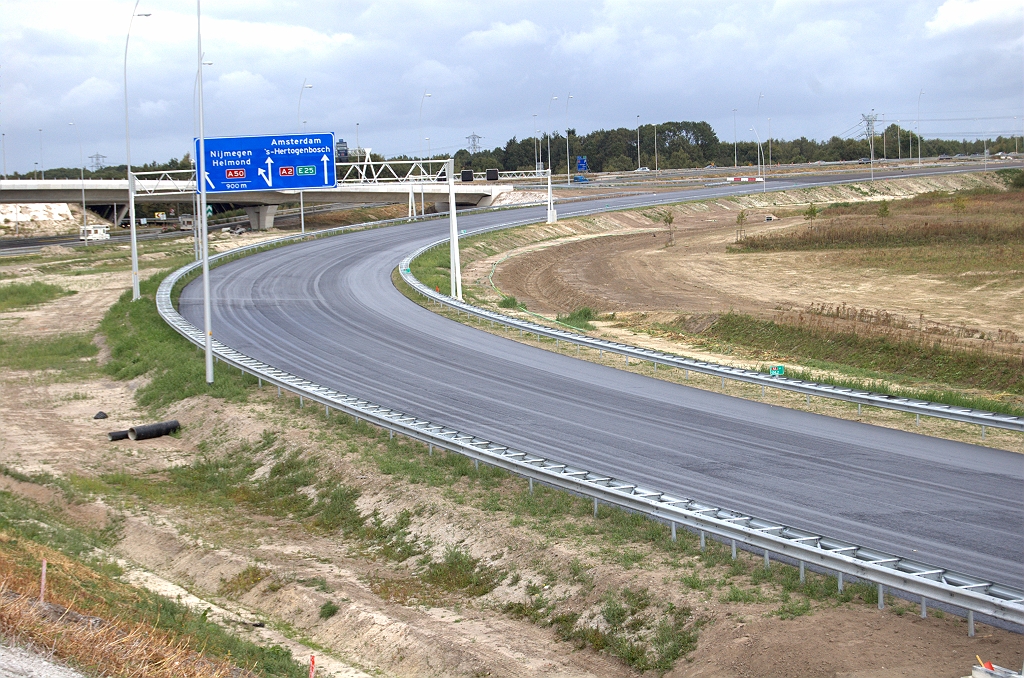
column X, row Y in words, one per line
column 165, row 181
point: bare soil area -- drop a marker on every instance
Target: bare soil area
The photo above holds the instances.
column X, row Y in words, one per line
column 389, row 622
column 628, row 265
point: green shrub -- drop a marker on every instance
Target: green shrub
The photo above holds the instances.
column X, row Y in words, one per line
column 580, row 318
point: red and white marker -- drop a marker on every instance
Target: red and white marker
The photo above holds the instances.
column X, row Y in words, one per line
column 744, row 179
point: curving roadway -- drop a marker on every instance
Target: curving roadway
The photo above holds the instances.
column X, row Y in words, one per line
column 326, row 310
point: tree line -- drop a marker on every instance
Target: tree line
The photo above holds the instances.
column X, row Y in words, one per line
column 667, row 145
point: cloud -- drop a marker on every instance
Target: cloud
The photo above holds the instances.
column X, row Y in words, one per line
column 505, row 35
column 92, row 92
column 956, row 15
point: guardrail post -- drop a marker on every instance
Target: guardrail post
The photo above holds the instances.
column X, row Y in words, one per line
column 278, row 391
column 702, row 540
column 917, row 419
column 881, row 597
column 734, row 549
column 767, row 563
column 531, row 492
column 982, row 431
column 673, row 530
column 260, row 379
column 858, row 409
column 924, row 607
column 803, row 577
column 762, row 390
column 300, row 402
column 970, row 623
column 627, row 359
column 840, row 580
column 808, row 398
column 686, row 375
column 327, row 410
column 723, row 382
column 476, row 464
column 595, row 507
column 430, row 449
column 391, row 434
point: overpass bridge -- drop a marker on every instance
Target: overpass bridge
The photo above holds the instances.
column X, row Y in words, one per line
column 414, row 182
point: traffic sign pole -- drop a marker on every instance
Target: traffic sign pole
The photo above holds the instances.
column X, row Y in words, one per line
column 200, row 174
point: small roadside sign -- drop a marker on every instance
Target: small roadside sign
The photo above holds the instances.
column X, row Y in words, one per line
column 777, row 370
column 279, row 162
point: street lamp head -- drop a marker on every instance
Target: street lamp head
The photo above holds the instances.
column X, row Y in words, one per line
column 143, row 15
column 207, row 63
column 308, row 86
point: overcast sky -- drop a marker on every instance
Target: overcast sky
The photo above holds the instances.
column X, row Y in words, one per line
column 491, row 66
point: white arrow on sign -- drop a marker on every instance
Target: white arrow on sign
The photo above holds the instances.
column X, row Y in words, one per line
column 325, row 159
column 209, row 180
column 268, row 176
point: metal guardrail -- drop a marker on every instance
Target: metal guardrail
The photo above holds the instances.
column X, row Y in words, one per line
column 982, row 418
column 843, row 557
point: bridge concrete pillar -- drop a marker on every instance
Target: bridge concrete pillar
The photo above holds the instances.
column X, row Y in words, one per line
column 119, row 213
column 261, row 217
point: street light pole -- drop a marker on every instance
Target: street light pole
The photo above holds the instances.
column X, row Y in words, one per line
column 769, row 147
column 41, row 166
column 548, row 133
column 128, row 163
column 568, row 166
column 638, row 142
column 201, row 179
column 302, row 204
column 81, row 169
column 536, row 131
column 919, row 129
column 760, row 157
column 422, row 99
column 735, row 153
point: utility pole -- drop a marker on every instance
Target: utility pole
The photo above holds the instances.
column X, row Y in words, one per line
column 869, row 130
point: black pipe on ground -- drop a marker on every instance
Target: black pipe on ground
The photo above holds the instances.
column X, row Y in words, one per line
column 117, row 435
column 148, row 431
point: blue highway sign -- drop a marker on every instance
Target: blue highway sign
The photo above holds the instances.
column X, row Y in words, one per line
column 581, row 164
column 280, row 162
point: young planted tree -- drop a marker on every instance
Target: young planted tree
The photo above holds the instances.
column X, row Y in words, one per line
column 811, row 212
column 669, row 219
column 883, row 209
column 959, row 207
column 741, row 218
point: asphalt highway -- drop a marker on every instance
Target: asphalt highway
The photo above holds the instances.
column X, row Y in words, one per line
column 327, row 311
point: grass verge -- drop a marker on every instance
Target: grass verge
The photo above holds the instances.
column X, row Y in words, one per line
column 19, row 295
column 140, row 630
column 141, row 343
